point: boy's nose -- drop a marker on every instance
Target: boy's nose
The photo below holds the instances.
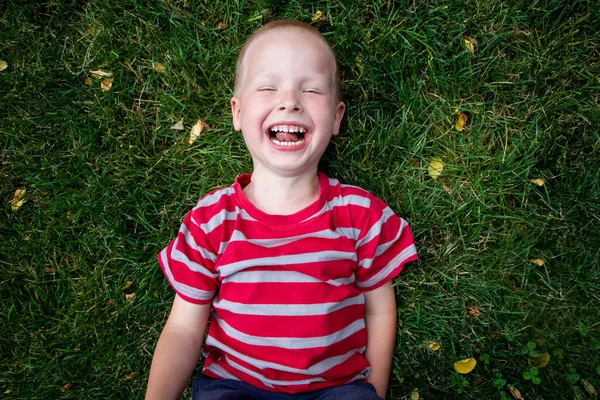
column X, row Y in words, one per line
column 290, row 102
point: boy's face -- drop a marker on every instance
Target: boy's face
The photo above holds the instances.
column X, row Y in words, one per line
column 287, row 109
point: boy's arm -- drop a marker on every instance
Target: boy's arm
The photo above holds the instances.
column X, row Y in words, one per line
column 380, row 319
column 178, row 349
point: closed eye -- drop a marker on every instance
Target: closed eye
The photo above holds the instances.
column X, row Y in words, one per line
column 311, row 91
column 266, row 89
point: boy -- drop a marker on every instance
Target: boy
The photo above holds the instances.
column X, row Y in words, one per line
column 296, row 266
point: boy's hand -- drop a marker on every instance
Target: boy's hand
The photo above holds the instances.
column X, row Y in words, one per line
column 380, row 319
column 178, row 349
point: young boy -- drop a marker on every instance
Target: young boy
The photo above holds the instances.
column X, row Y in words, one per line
column 296, row 267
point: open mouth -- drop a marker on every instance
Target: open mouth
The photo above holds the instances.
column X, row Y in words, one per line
column 287, row 135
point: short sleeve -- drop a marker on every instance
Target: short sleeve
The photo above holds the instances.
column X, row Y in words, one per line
column 188, row 263
column 385, row 244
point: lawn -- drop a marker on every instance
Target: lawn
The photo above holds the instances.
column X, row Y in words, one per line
column 508, row 233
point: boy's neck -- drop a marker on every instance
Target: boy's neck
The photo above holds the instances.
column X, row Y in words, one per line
column 282, row 195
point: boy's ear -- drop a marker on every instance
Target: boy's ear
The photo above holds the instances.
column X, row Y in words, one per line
column 337, row 117
column 236, row 113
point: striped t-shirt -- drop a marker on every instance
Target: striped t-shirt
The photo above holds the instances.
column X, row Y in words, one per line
column 287, row 291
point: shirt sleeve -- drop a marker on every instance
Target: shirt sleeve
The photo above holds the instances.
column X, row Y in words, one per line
column 384, row 245
column 188, row 263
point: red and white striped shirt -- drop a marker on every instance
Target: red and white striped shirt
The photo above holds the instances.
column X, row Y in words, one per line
column 287, row 291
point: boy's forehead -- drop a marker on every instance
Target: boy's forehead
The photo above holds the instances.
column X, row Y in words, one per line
column 289, row 38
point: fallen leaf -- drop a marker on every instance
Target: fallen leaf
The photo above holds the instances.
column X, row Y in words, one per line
column 359, row 64
column 435, row 346
column 18, row 199
column 69, row 215
column 105, row 85
column 197, row 130
column 159, row 67
column 88, row 81
column 221, row 26
column 516, row 393
column 318, row 16
column 445, row 187
column 129, row 377
column 101, row 74
column 465, row 366
column 178, row 126
column 590, row 388
column 7, row 391
column 50, row 270
column 474, row 312
column 66, row 387
column 414, row 395
column 538, row 261
column 3, row 65
column 539, row 182
column 129, row 297
column 461, row 122
column 541, row 360
column 127, row 285
column 435, row 167
column 470, row 44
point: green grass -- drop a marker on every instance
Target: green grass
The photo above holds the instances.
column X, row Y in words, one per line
column 108, row 182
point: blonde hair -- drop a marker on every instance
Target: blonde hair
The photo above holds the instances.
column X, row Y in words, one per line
column 284, row 24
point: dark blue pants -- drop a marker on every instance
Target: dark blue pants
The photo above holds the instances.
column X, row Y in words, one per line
column 206, row 388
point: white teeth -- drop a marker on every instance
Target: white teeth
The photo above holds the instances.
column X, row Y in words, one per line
column 287, row 128
column 287, row 144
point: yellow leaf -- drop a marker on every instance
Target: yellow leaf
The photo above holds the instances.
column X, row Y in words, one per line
column 589, row 388
column 18, row 199
column 541, row 360
column 435, row 167
column 159, row 67
column 88, row 81
column 538, row 261
column 129, row 377
column 178, row 126
column 359, row 64
column 414, row 395
column 127, row 285
column 539, row 182
column 470, row 44
column 318, row 16
column 105, row 85
column 129, row 297
column 101, row 74
column 7, row 391
column 3, row 65
column 465, row 366
column 516, row 393
column 197, row 130
column 435, row 346
column 66, row 387
column 461, row 122
column 221, row 26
